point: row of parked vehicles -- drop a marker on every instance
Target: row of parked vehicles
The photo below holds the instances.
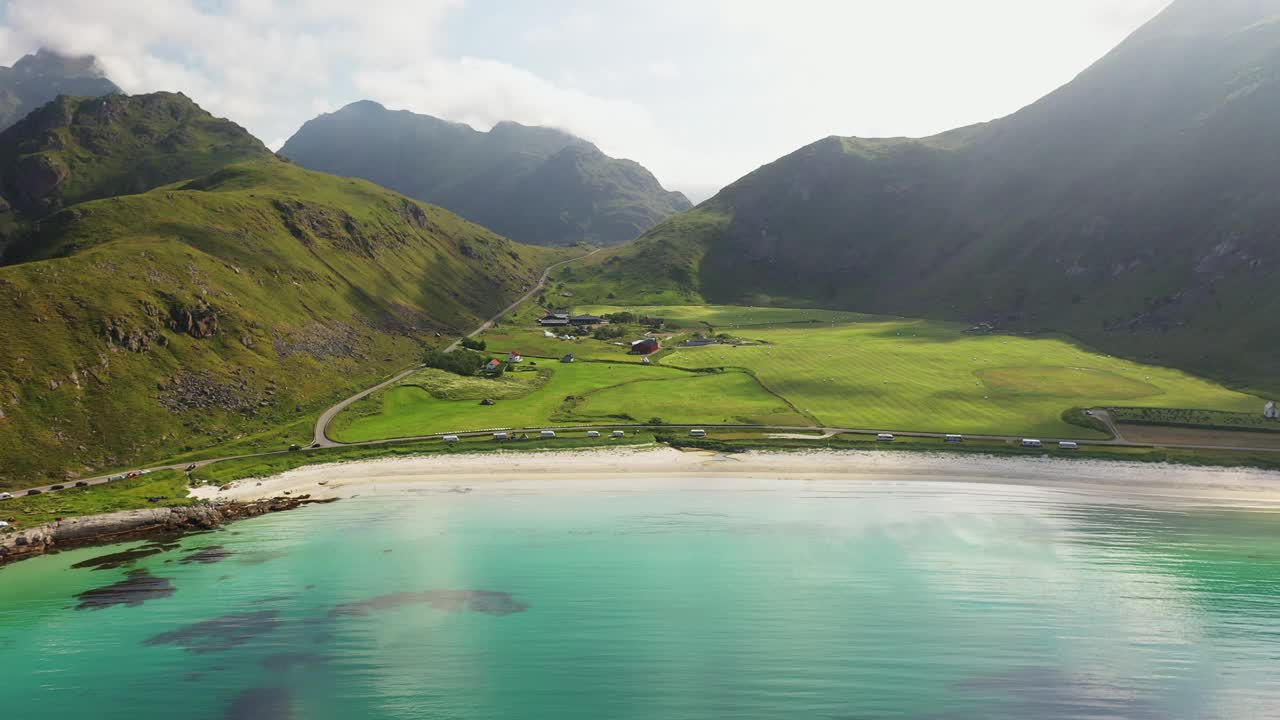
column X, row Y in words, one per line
column 78, row 483
column 551, row 435
column 1030, row 443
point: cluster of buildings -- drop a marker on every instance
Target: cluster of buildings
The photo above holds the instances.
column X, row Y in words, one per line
column 562, row 318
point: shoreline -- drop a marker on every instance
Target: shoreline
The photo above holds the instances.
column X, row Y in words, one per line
column 641, row 468
column 627, row 468
column 133, row 525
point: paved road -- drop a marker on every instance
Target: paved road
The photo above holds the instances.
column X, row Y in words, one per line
column 321, row 435
column 605, row 429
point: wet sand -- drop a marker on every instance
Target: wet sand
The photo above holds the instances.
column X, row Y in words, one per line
column 638, row 468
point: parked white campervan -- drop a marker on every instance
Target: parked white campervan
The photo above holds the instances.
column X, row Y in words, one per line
column 450, row 438
column 593, row 433
column 1031, row 443
column 1068, row 445
column 619, row 433
column 501, row 436
column 547, row 434
column 697, row 433
column 955, row 438
column 885, row 437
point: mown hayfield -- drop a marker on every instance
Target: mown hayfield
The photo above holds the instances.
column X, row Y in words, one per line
column 727, row 398
column 922, row 375
column 572, row 394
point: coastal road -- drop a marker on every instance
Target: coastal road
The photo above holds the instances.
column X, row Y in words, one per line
column 321, row 435
column 1049, row 443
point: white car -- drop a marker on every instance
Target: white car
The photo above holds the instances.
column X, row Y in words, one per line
column 6, row 496
column 3, row 524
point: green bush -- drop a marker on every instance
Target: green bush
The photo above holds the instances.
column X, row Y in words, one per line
column 462, row 362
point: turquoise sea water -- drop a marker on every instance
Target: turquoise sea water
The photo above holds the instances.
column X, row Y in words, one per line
column 667, row 599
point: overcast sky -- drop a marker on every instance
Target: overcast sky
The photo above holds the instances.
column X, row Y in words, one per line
column 700, row 91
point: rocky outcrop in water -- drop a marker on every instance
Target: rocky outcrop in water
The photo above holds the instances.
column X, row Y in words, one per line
column 135, row 524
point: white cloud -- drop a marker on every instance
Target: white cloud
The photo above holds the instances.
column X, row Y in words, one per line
column 664, row 69
column 700, row 91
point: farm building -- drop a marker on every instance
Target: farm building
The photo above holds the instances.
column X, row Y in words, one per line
column 1271, row 411
column 646, row 346
column 554, row 320
column 514, row 357
column 568, row 358
column 585, row 320
column 493, row 366
column 701, row 342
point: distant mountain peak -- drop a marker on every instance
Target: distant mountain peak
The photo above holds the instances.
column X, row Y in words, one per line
column 540, row 185
column 364, row 105
column 37, row 78
column 1133, row 208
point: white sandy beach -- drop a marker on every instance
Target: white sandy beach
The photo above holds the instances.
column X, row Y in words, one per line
column 635, row 468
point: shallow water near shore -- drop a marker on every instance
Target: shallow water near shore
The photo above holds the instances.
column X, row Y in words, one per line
column 667, row 598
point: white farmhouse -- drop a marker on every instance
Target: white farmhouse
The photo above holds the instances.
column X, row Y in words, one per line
column 1271, row 411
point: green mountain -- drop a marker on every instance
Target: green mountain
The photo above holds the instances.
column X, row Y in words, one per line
column 75, row 149
column 36, row 79
column 224, row 306
column 1137, row 208
column 534, row 184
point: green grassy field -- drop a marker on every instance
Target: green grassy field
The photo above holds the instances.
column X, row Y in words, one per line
column 932, row 376
column 809, row 367
column 29, row 511
column 573, row 394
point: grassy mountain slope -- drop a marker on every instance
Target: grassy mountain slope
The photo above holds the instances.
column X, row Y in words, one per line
column 140, row 326
column 76, row 149
column 1136, row 208
column 538, row 185
column 36, row 79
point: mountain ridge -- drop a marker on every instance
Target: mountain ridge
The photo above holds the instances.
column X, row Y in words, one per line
column 220, row 307
column 535, row 184
column 1134, row 208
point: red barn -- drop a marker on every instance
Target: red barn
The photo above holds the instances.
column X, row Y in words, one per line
column 647, row 346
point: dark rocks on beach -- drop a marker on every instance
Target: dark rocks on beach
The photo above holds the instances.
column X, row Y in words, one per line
column 137, row 587
column 261, row 704
column 489, row 602
column 219, row 634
